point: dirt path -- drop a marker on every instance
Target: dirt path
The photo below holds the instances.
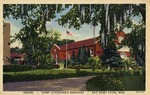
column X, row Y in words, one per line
column 67, row 84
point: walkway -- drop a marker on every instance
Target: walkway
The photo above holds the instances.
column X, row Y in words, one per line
column 67, row 84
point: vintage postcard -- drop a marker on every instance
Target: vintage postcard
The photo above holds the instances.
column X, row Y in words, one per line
column 86, row 47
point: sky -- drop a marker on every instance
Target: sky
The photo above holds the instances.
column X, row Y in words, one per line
column 83, row 33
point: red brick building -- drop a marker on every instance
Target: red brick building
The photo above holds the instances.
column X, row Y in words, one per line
column 124, row 52
column 18, row 58
column 120, row 36
column 59, row 52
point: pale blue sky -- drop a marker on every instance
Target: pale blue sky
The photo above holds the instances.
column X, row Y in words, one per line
column 84, row 33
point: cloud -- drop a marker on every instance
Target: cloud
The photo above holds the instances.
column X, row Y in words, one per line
column 48, row 24
column 136, row 20
column 14, row 29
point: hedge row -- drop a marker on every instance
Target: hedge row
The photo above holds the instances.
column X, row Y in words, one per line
column 48, row 67
column 15, row 68
column 32, row 77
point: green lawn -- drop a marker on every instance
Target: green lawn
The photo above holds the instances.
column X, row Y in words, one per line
column 105, row 80
column 124, row 83
column 132, row 83
column 53, row 71
column 41, row 71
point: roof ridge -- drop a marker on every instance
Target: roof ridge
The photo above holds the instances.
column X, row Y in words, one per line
column 86, row 42
column 79, row 41
column 86, row 39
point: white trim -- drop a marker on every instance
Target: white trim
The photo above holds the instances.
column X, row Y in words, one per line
column 56, row 46
column 125, row 49
column 123, row 55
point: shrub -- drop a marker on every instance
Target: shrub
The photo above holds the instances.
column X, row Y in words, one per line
column 16, row 67
column 48, row 66
column 94, row 62
column 43, row 67
column 104, row 83
column 129, row 63
column 55, row 66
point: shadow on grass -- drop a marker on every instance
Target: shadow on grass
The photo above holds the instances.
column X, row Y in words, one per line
column 131, row 82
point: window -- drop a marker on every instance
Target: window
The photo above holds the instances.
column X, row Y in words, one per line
column 123, row 55
column 91, row 52
column 120, row 38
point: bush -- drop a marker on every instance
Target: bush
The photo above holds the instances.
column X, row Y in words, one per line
column 114, row 81
column 43, row 67
column 16, row 67
column 48, row 66
column 55, row 66
column 104, row 83
column 33, row 77
column 94, row 63
column 129, row 63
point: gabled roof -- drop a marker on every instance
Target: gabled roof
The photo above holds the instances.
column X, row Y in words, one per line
column 56, row 46
column 78, row 44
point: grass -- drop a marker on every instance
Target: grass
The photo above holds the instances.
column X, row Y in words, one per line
column 117, row 83
column 126, row 82
column 132, row 83
column 41, row 71
column 52, row 71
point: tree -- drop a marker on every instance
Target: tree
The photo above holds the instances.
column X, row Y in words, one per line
column 88, row 53
column 104, row 14
column 111, row 17
column 47, row 61
column 84, row 55
column 63, row 41
column 14, row 50
column 136, row 42
column 94, row 62
column 128, row 63
column 32, row 15
column 79, row 56
column 35, row 47
column 33, row 18
column 53, row 35
column 73, row 57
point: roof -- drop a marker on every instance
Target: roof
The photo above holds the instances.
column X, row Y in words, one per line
column 16, row 55
column 120, row 36
column 124, row 49
column 73, row 45
column 55, row 46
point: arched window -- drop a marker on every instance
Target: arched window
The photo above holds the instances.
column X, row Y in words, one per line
column 120, row 38
column 123, row 55
column 91, row 52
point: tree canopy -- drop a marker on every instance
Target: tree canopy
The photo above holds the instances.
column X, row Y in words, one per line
column 109, row 17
